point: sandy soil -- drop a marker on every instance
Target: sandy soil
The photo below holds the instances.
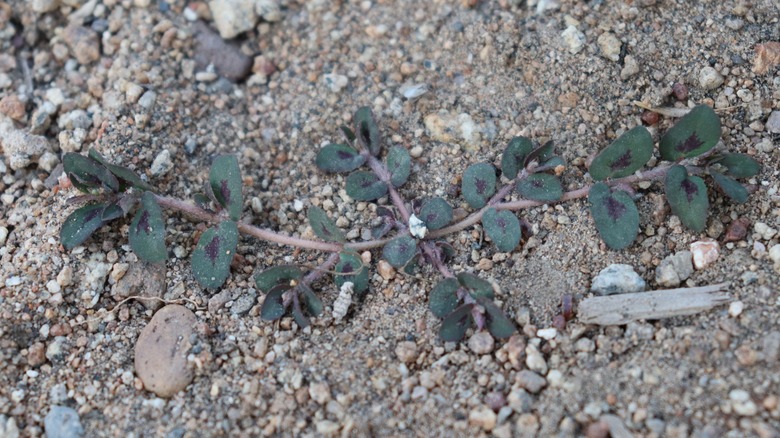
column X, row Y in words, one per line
column 499, row 68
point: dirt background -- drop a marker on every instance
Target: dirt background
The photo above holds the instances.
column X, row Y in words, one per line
column 500, row 66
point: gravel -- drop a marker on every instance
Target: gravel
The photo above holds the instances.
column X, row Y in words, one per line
column 617, row 279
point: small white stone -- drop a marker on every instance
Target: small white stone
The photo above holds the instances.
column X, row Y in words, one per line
column 548, row 333
column 297, row 205
column 574, row 39
column 735, row 308
column 162, row 163
column 555, row 378
column 53, row 287
column 3, row 235
column 705, row 252
column 417, row 227
column 709, row 78
column 610, row 46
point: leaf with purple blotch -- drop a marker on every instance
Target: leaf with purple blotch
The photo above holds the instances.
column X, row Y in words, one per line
column 696, row 133
column 455, row 325
column 272, row 277
column 731, row 187
column 738, row 165
column 503, row 228
column 435, row 213
column 476, row 286
column 225, row 183
column 624, row 156
column 147, row 231
column 399, row 251
column 213, row 254
column 339, row 158
column 81, row 224
column 323, row 227
column 687, row 195
column 365, row 186
column 478, row 184
column 350, row 268
column 615, row 215
column 87, row 174
column 367, row 131
column 513, row 159
column 540, row 187
column 444, row 297
column 399, row 163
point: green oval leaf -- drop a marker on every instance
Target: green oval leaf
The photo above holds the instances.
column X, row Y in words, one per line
column 731, row 187
column 498, row 324
column 615, row 215
column 81, row 224
column 542, row 154
column 476, row 286
column 339, row 158
column 323, row 227
column 694, row 134
column 111, row 212
column 739, row 165
column 503, row 229
column 273, row 306
column 399, row 163
column 277, row 275
column 399, row 251
column 687, row 195
column 147, row 231
column 540, row 187
column 365, row 186
column 436, row 213
column 478, row 184
column 513, row 159
column 299, row 317
column 350, row 268
column 213, row 254
column 444, row 297
column 366, row 130
column 225, row 180
column 85, row 173
column 127, row 178
column 624, row 156
column 310, row 300
column 454, row 326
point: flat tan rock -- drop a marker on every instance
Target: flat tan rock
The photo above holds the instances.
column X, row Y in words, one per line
column 162, row 348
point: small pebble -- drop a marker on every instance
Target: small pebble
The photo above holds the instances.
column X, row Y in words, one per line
column 62, row 422
column 680, row 91
column 483, row 417
column 481, row 343
column 772, row 124
column 385, row 270
column 83, row 43
column 319, row 392
column 735, row 308
column 705, row 253
column 233, row 17
column 674, row 269
column 530, row 381
column 162, row 163
column 610, row 46
column 574, row 39
column 548, row 333
column 162, row 349
column 709, row 78
column 406, row 351
column 617, row 279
